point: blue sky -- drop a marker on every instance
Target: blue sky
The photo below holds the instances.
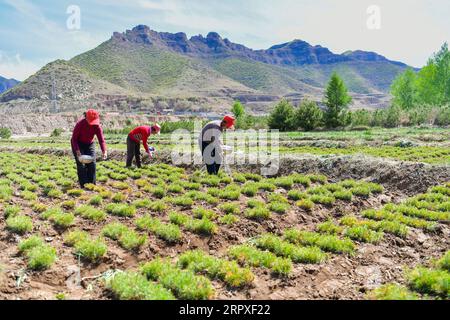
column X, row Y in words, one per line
column 33, row 33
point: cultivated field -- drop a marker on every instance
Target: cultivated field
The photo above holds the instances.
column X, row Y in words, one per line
column 164, row 232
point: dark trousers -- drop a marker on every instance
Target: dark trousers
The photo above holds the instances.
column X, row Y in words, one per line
column 86, row 172
column 133, row 151
column 213, row 168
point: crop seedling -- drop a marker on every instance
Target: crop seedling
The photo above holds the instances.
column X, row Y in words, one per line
column 330, row 227
column 96, row 200
column 75, row 236
column 251, row 256
column 288, row 250
column 429, row 281
column 301, row 179
column 91, row 249
column 134, row 286
column 91, row 213
column 228, row 219
column 227, row 271
column 119, row 197
column 121, row 210
column 130, row 240
column 69, row 204
column 343, row 195
column 297, row 195
column 252, row 203
column 41, row 257
column 168, row 232
column 392, row 292
column 200, row 213
column 266, row 186
column 325, row 200
column 364, row 234
column 444, row 262
column 75, row 192
column 184, row 202
column 11, row 211
column 230, row 208
column 157, row 206
column 203, row 227
column 184, row 283
column 175, row 188
column 62, row 220
column 258, row 213
column 230, row 193
column 328, row 243
column 305, row 204
column 19, row 224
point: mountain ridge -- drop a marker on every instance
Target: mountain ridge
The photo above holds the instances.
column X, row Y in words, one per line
column 144, row 64
column 6, row 84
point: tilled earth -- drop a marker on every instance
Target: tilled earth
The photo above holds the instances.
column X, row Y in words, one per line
column 340, row 277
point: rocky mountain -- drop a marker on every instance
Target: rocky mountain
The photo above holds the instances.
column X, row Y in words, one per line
column 6, row 84
column 143, row 69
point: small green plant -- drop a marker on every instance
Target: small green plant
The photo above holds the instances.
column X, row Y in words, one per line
column 200, row 213
column 184, row 283
column 114, row 230
column 19, row 224
column 96, row 200
column 429, row 281
column 228, row 219
column 130, row 240
column 119, row 197
column 392, row 292
column 228, row 271
column 444, row 262
column 305, row 204
column 253, row 203
column 142, row 203
column 134, row 286
column 75, row 236
column 11, row 211
column 284, row 182
column 68, row 205
column 251, row 256
column 328, row 243
column 184, row 202
column 250, row 189
column 75, row 192
column 330, row 227
column 168, row 232
column 279, row 207
column 91, row 213
column 41, row 257
column 288, row 250
column 343, row 195
column 364, row 234
column 121, row 210
column 258, row 213
column 325, row 200
column 297, row 195
column 230, row 208
column 92, row 250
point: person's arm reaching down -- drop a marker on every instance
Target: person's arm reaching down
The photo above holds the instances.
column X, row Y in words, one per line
column 101, row 140
column 74, row 141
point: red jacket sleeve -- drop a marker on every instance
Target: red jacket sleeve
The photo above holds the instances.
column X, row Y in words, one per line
column 145, row 143
column 75, row 136
column 101, row 138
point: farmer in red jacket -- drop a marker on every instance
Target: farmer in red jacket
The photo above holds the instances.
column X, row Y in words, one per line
column 134, row 143
column 83, row 144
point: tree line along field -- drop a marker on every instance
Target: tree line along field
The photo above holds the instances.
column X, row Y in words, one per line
column 427, row 145
column 163, row 232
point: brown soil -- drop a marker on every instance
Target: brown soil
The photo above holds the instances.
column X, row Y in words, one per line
column 341, row 277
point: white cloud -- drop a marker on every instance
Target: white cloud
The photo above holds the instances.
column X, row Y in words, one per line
column 16, row 67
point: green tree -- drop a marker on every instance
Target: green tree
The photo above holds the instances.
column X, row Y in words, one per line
column 5, row 133
column 392, row 117
column 238, row 109
column 337, row 101
column 361, row 118
column 308, row 116
column 282, row 116
column 404, row 90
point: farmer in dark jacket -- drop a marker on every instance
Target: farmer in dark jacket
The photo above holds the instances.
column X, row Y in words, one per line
column 210, row 144
column 134, row 139
column 83, row 144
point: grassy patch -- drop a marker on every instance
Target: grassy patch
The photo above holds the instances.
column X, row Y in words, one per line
column 134, row 286
column 184, row 283
column 227, row 271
